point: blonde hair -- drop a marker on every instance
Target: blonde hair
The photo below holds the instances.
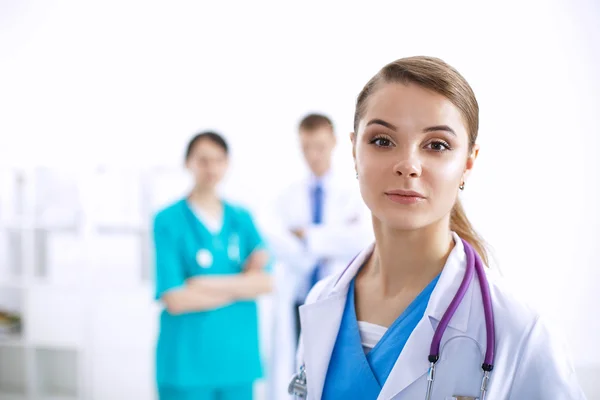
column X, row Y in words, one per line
column 434, row 74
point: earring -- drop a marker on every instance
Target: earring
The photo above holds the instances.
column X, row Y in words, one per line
column 356, row 174
column 462, row 186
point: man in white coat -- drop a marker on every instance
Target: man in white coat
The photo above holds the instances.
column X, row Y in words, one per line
column 322, row 224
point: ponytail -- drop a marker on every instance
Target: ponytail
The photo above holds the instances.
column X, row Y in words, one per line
column 460, row 224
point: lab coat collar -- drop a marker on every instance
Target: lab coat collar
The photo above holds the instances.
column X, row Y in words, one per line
column 448, row 284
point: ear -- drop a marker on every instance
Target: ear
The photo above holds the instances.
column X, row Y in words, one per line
column 353, row 140
column 471, row 162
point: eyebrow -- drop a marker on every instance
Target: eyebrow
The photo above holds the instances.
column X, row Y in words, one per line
column 383, row 123
column 435, row 128
column 445, row 128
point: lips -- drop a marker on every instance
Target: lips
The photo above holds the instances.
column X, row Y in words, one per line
column 405, row 196
column 407, row 193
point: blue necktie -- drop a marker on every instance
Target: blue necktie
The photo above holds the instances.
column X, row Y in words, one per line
column 317, row 211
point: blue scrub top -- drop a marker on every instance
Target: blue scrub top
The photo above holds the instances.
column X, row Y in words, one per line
column 370, row 371
column 216, row 348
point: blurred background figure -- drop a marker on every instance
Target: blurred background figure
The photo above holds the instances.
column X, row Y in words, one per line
column 210, row 263
column 322, row 224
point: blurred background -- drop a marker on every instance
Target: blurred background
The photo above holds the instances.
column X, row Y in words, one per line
column 98, row 100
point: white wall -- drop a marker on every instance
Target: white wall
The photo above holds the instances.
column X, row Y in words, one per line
column 127, row 83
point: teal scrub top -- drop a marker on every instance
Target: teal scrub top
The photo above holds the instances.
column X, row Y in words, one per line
column 215, row 348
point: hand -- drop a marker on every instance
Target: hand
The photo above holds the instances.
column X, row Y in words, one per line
column 257, row 260
column 299, row 233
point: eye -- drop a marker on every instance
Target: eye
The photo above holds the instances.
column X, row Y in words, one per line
column 439, row 146
column 381, row 141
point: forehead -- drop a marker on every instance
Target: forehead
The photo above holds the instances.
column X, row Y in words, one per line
column 411, row 107
column 206, row 147
column 322, row 134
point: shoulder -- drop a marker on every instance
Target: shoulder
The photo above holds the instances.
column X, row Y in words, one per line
column 168, row 215
column 322, row 289
column 534, row 344
column 525, row 331
column 514, row 315
column 238, row 211
column 240, row 216
column 292, row 188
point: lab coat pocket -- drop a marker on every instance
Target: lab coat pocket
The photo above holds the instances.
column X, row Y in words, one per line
column 458, row 372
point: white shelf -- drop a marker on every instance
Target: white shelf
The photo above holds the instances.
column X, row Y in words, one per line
column 8, row 396
column 11, row 250
column 55, row 317
column 12, row 339
column 117, row 199
column 12, row 196
column 115, row 260
column 12, row 283
column 57, row 199
column 11, row 301
column 13, row 371
column 115, row 369
column 45, row 397
column 60, row 257
column 57, row 373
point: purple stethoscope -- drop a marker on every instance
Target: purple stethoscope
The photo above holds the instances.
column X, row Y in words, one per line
column 298, row 388
column 474, row 265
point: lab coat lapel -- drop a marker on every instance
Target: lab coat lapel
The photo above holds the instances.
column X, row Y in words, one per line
column 320, row 322
column 413, row 363
column 320, row 325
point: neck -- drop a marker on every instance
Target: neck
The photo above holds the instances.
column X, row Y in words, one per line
column 204, row 197
column 409, row 259
column 323, row 172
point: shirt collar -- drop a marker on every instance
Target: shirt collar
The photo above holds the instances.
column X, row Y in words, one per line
column 324, row 180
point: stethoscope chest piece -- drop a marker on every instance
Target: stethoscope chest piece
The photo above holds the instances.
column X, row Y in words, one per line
column 297, row 386
column 204, row 258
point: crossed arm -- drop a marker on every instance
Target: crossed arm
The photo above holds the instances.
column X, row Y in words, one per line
column 205, row 293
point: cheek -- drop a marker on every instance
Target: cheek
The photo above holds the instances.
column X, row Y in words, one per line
column 445, row 175
column 375, row 175
column 196, row 169
column 370, row 163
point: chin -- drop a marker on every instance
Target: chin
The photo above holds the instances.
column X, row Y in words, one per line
column 403, row 220
column 206, row 184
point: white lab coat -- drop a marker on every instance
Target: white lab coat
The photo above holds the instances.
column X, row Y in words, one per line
column 530, row 364
column 346, row 230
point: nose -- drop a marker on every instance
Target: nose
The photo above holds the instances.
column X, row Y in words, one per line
column 409, row 167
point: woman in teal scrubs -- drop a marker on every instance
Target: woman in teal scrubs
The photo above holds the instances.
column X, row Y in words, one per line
column 210, row 262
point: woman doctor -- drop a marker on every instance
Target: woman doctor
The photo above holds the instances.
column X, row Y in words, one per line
column 209, row 269
column 367, row 332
